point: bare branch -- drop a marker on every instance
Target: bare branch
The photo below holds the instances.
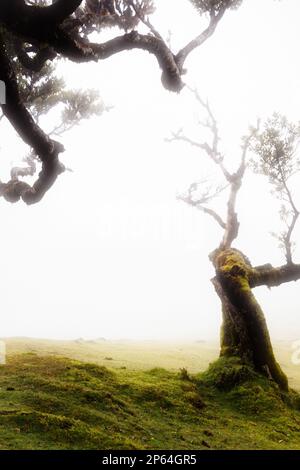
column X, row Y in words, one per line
column 268, row 276
column 210, row 150
column 234, row 180
column 232, row 224
column 206, row 197
column 199, row 40
column 213, row 214
column 206, row 210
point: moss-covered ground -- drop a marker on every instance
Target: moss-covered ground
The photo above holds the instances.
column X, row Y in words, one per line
column 51, row 402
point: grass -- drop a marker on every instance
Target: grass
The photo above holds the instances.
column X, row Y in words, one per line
column 53, row 402
column 141, row 355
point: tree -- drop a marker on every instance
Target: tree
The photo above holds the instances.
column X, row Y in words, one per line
column 35, row 34
column 42, row 92
column 244, row 331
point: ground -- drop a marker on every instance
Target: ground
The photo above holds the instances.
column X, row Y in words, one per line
column 141, row 396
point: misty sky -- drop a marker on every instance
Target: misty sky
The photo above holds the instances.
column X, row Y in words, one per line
column 110, row 251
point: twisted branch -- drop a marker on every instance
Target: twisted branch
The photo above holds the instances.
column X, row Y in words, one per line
column 52, row 30
column 45, row 148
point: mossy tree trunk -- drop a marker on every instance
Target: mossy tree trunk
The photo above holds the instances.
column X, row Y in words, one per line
column 244, row 330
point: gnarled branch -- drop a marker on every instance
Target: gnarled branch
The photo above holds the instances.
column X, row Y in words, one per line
column 51, row 30
column 271, row 277
column 45, row 148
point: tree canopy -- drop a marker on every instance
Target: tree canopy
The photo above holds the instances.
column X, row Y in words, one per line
column 36, row 34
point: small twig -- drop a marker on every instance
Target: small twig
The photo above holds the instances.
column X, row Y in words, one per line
column 204, row 209
column 144, row 20
column 286, row 238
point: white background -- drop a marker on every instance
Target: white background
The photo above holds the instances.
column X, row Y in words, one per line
column 110, row 252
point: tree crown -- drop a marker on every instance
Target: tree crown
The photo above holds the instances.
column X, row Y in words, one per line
column 35, row 34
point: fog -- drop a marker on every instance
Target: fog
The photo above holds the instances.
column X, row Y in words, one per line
column 110, row 252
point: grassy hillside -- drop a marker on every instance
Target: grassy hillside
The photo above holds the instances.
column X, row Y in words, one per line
column 141, row 355
column 50, row 402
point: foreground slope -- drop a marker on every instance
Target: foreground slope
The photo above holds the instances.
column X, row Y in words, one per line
column 141, row 355
column 49, row 402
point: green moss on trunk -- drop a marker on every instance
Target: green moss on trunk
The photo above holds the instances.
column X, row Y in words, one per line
column 244, row 331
